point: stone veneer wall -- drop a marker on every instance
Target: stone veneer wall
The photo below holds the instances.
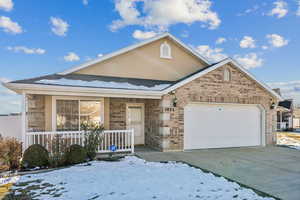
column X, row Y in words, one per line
column 118, row 118
column 211, row 88
column 36, row 112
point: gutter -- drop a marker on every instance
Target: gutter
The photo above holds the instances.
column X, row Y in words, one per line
column 75, row 91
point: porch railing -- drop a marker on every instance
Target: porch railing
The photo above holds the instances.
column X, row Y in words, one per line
column 123, row 140
column 281, row 126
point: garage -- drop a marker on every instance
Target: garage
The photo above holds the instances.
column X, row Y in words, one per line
column 222, row 125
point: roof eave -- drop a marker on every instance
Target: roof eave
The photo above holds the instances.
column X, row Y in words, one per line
column 71, row 90
column 224, row 62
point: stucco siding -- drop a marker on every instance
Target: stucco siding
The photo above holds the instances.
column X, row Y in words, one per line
column 145, row 62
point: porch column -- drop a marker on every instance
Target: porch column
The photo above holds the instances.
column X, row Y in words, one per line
column 23, row 121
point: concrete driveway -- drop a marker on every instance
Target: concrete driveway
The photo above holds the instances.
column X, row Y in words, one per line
column 272, row 170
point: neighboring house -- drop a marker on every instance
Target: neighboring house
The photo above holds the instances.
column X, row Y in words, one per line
column 11, row 126
column 296, row 118
column 171, row 96
column 285, row 115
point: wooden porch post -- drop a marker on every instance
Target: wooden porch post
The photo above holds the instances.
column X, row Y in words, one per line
column 23, row 121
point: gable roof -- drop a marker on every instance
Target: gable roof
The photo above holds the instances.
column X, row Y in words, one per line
column 143, row 87
column 132, row 47
column 212, row 67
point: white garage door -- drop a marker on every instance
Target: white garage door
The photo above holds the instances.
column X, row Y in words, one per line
column 221, row 125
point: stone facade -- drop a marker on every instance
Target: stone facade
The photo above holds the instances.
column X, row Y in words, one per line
column 212, row 88
column 35, row 112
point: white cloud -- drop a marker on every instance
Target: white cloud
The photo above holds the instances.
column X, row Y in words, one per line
column 27, row 50
column 71, row 57
column 142, row 35
column 85, row 2
column 289, row 89
column 99, row 55
column 250, row 60
column 9, row 26
column 10, row 102
column 264, row 47
column 160, row 14
column 298, row 11
column 221, row 40
column 4, row 80
column 185, row 34
column 59, row 26
column 280, row 9
column 247, row 42
column 277, row 40
column 249, row 10
column 6, row 5
column 213, row 55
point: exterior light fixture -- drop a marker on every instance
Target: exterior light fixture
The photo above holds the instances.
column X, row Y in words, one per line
column 174, row 100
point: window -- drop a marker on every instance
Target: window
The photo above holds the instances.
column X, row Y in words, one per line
column 71, row 113
column 165, row 50
column 227, row 74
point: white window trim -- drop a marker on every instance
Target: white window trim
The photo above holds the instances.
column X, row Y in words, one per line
column 55, row 98
column 161, row 50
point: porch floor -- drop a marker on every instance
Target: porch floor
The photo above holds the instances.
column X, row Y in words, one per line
column 144, row 149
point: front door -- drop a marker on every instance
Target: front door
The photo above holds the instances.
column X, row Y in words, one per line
column 135, row 121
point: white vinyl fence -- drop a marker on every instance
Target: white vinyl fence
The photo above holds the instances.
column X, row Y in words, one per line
column 123, row 140
column 10, row 126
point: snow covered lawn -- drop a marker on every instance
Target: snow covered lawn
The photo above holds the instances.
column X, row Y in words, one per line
column 289, row 139
column 133, row 179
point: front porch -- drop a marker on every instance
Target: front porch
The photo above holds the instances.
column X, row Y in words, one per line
column 127, row 121
column 284, row 119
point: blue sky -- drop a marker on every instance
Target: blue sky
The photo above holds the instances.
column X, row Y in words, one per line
column 43, row 37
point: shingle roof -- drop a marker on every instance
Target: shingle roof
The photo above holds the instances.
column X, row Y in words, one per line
column 93, row 81
column 286, row 104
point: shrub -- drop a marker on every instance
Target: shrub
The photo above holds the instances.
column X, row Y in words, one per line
column 58, row 149
column 35, row 156
column 93, row 137
column 10, row 153
column 75, row 154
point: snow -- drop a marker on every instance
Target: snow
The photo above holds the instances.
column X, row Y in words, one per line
column 133, row 178
column 101, row 84
column 288, row 140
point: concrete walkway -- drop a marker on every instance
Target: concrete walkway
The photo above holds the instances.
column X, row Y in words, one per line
column 272, row 170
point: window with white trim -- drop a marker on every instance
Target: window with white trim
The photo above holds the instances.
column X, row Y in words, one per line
column 227, row 75
column 70, row 114
column 165, row 50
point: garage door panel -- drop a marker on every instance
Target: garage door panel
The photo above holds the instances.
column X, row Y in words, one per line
column 218, row 126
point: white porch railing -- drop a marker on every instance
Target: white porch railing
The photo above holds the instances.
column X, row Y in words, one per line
column 123, row 140
column 281, row 126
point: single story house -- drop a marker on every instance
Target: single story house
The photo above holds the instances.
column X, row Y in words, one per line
column 296, row 117
column 172, row 97
column 285, row 110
